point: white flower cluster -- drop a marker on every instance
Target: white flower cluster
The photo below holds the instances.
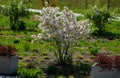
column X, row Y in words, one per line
column 64, row 27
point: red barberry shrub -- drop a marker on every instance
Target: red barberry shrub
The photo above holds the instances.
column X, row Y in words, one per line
column 117, row 62
column 104, row 60
column 7, row 50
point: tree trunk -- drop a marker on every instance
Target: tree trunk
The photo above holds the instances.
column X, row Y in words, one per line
column 86, row 4
column 43, row 3
column 108, row 7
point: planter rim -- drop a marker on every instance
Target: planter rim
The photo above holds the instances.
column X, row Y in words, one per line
column 9, row 56
column 95, row 65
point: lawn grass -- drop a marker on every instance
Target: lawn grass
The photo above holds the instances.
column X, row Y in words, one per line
column 24, row 45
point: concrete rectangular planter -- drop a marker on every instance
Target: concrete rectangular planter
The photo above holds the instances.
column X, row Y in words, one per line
column 98, row 72
column 8, row 65
column 118, row 73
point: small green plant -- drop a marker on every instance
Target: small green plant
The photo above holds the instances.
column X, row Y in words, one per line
column 29, row 73
column 85, row 67
column 16, row 41
column 100, row 17
column 52, row 69
column 28, row 39
column 15, row 11
column 26, row 46
column 21, row 25
column 94, row 50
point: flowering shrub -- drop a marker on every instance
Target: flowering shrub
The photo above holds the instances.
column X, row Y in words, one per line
column 106, row 61
column 64, row 29
column 7, row 50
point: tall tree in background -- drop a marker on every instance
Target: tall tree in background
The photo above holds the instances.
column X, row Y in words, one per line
column 108, row 7
column 86, row 4
column 53, row 3
column 43, row 3
column 48, row 2
column 76, row 0
column 97, row 3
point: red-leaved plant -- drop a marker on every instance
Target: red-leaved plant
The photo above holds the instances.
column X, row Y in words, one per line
column 7, row 50
column 117, row 62
column 106, row 61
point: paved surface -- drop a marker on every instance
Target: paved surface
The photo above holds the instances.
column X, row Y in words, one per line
column 118, row 18
column 39, row 11
column 76, row 14
column 3, row 76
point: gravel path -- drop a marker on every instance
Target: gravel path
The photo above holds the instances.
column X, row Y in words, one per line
column 39, row 11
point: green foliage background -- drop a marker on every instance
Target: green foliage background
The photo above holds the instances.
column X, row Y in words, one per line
column 70, row 3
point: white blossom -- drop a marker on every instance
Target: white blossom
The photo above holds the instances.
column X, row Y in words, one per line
column 64, row 27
